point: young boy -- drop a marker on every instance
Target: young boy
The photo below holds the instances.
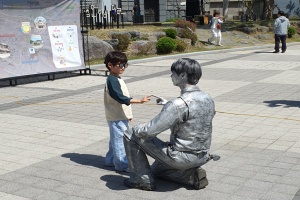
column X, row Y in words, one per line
column 117, row 109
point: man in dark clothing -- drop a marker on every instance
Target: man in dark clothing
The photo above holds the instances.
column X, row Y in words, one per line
column 135, row 13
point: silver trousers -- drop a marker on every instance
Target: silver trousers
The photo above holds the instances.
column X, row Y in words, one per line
column 169, row 164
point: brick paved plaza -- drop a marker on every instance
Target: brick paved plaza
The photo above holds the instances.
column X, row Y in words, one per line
column 53, row 134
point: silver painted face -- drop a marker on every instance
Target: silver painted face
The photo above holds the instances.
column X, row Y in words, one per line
column 176, row 79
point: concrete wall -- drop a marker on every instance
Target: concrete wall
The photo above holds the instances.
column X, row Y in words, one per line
column 233, row 10
column 162, row 10
column 172, row 11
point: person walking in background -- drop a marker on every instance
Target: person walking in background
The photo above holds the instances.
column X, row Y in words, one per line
column 215, row 28
column 117, row 109
column 281, row 26
column 135, row 12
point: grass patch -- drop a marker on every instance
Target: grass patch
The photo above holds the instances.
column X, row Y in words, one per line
column 295, row 38
column 104, row 33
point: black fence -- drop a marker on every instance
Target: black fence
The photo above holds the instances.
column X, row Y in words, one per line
column 92, row 17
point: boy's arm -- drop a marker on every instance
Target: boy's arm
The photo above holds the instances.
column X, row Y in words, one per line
column 143, row 100
column 114, row 89
column 220, row 21
column 116, row 93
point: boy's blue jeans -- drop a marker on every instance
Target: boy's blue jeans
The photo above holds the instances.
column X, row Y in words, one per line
column 116, row 155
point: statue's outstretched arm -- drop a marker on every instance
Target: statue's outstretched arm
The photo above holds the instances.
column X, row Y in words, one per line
column 163, row 121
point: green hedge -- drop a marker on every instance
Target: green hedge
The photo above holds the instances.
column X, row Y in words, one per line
column 291, row 31
column 171, row 32
column 165, row 45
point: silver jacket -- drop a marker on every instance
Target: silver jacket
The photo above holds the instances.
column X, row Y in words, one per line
column 189, row 117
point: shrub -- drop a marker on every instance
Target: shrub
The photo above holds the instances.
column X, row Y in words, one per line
column 186, row 33
column 185, row 24
column 181, row 46
column 143, row 47
column 165, row 45
column 170, row 32
column 144, row 38
column 124, row 40
column 291, row 31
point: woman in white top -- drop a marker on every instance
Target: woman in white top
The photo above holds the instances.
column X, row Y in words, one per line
column 215, row 28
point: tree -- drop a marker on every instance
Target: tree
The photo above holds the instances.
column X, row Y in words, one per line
column 291, row 6
column 269, row 6
column 250, row 5
column 297, row 12
column 225, row 8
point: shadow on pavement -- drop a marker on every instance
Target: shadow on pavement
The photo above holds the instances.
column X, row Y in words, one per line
column 115, row 182
column 263, row 52
column 89, row 160
column 205, row 42
column 297, row 195
column 284, row 103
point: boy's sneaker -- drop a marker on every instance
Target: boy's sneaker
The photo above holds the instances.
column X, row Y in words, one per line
column 141, row 186
column 220, row 45
column 200, row 180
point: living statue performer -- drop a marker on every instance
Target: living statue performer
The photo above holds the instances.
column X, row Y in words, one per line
column 189, row 117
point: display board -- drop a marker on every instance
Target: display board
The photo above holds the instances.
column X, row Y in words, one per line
column 39, row 36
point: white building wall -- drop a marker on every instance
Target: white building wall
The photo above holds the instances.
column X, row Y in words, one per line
column 104, row 3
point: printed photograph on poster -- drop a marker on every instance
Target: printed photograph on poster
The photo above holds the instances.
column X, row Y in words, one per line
column 64, row 45
column 4, row 50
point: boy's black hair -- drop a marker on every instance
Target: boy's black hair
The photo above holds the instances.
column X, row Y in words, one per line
column 216, row 13
column 115, row 57
column 189, row 66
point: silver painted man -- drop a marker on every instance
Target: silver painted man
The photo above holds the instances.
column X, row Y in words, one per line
column 189, row 117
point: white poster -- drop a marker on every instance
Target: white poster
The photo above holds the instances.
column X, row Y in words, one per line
column 64, row 44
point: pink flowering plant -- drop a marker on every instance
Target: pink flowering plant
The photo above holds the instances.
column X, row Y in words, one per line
column 185, row 24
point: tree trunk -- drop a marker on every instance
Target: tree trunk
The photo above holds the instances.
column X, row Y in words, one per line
column 225, row 8
column 269, row 6
column 265, row 13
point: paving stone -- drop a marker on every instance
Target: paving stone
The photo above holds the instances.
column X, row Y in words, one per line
column 54, row 136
